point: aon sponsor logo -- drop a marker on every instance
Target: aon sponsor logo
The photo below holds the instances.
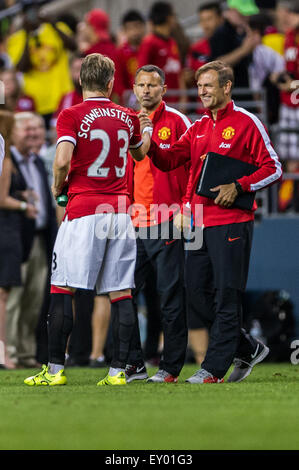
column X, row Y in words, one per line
column 223, row 145
column 164, row 146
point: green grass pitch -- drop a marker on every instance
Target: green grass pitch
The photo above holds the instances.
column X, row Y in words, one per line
column 260, row 413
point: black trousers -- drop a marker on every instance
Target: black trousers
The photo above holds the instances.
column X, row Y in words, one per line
column 166, row 255
column 153, row 324
column 216, row 276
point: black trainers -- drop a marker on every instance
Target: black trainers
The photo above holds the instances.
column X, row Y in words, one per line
column 135, row 372
column 243, row 366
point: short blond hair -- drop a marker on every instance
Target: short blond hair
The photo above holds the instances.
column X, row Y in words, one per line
column 97, row 71
column 225, row 72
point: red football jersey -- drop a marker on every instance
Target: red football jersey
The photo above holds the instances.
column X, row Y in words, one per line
column 291, row 54
column 199, row 54
column 127, row 64
column 102, row 132
column 164, row 53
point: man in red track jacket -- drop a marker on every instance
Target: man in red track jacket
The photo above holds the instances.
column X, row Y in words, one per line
column 158, row 197
column 216, row 274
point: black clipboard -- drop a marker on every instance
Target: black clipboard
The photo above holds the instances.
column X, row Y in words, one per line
column 220, row 169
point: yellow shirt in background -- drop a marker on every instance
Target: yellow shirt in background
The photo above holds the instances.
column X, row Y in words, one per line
column 275, row 41
column 49, row 79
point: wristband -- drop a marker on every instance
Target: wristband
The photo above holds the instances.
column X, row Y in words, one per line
column 149, row 130
column 238, row 188
column 23, row 206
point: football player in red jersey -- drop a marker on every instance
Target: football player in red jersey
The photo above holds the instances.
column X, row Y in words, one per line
column 159, row 48
column 133, row 28
column 96, row 244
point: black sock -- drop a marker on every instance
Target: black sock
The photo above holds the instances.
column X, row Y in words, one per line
column 123, row 321
column 60, row 324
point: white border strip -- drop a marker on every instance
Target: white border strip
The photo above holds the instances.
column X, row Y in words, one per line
column 67, row 138
column 270, row 179
column 137, row 145
column 97, row 99
column 184, row 118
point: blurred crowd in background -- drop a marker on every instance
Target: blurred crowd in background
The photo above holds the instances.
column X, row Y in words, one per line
column 40, row 60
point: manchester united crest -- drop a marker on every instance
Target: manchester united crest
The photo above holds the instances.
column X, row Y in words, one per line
column 164, row 133
column 228, row 133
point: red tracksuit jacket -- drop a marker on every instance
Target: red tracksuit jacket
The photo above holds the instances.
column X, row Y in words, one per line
column 152, row 185
column 236, row 133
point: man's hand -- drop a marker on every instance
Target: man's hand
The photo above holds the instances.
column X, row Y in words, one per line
column 145, row 121
column 31, row 211
column 227, row 194
column 56, row 191
column 182, row 221
column 29, row 195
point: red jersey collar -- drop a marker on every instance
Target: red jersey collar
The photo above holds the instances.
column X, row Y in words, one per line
column 155, row 116
column 222, row 113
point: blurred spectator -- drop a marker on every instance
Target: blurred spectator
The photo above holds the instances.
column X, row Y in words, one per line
column 40, row 51
column 24, row 303
column 274, row 33
column 232, row 42
column 93, row 34
column 210, row 18
column 133, row 28
column 94, row 37
column 15, row 100
column 179, row 35
column 73, row 97
column 158, row 48
column 265, row 60
column 283, row 19
column 13, row 211
column 40, row 145
column 288, row 83
column 5, row 61
column 100, row 326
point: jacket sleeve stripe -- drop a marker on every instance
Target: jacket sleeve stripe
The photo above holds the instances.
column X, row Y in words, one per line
column 278, row 171
column 184, row 118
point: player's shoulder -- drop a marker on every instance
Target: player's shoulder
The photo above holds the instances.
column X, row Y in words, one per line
column 128, row 111
column 242, row 115
column 176, row 115
column 150, row 39
column 250, row 122
column 200, row 123
column 124, row 48
column 199, row 46
column 71, row 111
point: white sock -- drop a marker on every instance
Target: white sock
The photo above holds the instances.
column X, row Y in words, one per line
column 101, row 358
column 54, row 368
column 113, row 371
